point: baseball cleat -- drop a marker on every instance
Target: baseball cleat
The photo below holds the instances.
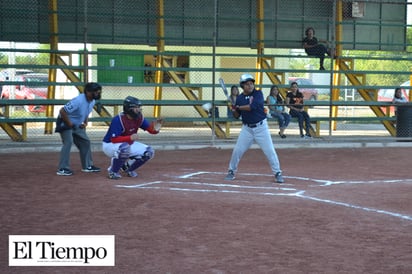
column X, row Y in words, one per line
column 279, row 178
column 132, row 174
column 114, row 175
column 230, row 176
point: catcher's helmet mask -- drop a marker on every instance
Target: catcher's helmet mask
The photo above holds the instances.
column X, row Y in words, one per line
column 129, row 104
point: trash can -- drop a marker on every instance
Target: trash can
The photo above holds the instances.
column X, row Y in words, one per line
column 404, row 121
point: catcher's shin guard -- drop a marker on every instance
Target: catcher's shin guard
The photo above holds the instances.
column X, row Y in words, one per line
column 120, row 157
column 139, row 161
column 117, row 164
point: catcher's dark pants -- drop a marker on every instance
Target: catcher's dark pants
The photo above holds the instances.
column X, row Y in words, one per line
column 79, row 137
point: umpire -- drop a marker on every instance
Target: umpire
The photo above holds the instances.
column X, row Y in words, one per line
column 71, row 124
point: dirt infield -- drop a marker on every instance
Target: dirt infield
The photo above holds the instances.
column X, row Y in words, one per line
column 339, row 211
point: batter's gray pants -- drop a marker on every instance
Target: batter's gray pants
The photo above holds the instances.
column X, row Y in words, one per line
column 261, row 135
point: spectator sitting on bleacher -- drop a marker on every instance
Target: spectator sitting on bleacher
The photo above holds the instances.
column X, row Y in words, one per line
column 277, row 110
column 294, row 100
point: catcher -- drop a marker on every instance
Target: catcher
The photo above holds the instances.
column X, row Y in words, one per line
column 120, row 142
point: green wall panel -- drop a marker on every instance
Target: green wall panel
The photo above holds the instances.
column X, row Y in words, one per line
column 120, row 66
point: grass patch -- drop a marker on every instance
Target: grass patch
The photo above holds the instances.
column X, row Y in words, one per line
column 21, row 113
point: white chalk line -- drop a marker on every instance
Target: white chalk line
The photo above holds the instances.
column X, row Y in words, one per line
column 295, row 193
column 321, row 182
column 150, row 185
column 406, row 217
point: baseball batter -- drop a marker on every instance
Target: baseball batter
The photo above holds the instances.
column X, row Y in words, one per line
column 250, row 107
column 120, row 142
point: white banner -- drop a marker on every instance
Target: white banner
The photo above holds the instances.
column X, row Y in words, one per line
column 61, row 250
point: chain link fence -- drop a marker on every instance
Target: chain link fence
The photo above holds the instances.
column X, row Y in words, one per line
column 177, row 50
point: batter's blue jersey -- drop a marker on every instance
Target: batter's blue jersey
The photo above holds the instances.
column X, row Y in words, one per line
column 256, row 102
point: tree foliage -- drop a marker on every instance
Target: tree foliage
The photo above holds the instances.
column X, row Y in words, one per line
column 402, row 64
column 30, row 59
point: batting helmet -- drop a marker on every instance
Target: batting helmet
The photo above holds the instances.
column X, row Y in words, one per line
column 246, row 77
column 129, row 103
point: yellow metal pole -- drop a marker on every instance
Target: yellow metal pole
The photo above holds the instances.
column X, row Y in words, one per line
column 51, row 91
column 336, row 76
column 159, row 59
column 260, row 39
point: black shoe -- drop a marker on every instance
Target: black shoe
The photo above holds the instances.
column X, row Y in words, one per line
column 279, row 178
column 64, row 172
column 321, row 68
column 91, row 169
column 230, row 176
column 283, row 136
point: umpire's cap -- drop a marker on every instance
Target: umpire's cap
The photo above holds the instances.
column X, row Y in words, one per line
column 92, row 87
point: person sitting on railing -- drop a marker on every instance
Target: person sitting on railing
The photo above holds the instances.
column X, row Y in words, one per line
column 398, row 98
column 294, row 100
column 277, row 110
column 313, row 48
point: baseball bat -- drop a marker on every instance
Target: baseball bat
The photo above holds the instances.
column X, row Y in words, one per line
column 222, row 84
